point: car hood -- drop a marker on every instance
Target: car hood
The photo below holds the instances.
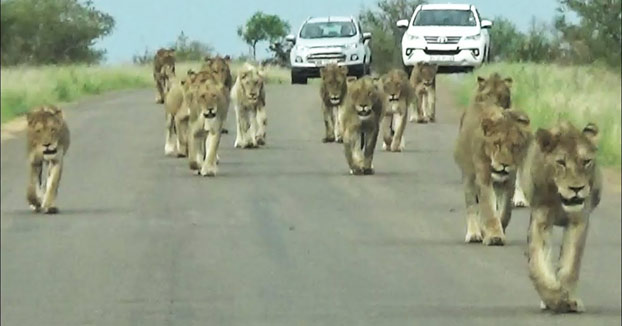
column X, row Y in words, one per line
column 443, row 30
column 326, row 42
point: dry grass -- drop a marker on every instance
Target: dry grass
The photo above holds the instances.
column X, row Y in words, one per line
column 25, row 87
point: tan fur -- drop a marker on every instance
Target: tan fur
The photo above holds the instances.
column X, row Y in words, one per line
column 177, row 114
column 559, row 160
column 218, row 69
column 494, row 89
column 333, row 90
column 399, row 96
column 423, row 80
column 163, row 58
column 491, row 144
column 361, row 121
column 47, row 143
column 208, row 111
column 249, row 99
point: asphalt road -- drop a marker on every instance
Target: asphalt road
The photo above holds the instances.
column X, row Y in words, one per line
column 283, row 236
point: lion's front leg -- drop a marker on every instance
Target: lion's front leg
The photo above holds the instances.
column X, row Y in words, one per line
column 196, row 152
column 34, row 182
column 431, row 105
column 329, row 123
column 243, row 126
column 573, row 244
column 387, row 133
column 539, row 259
column 491, row 224
column 398, row 142
column 170, row 142
column 262, row 122
column 474, row 232
column 53, row 180
column 519, row 199
column 212, row 141
column 253, row 128
column 414, row 109
column 352, row 152
column 422, row 103
column 181, row 128
column 338, row 118
column 159, row 88
column 369, row 139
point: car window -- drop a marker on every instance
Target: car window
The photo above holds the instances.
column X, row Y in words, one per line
column 445, row 18
column 328, row 30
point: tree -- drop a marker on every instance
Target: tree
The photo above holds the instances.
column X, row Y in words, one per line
column 381, row 22
column 597, row 36
column 51, row 31
column 262, row 27
column 506, row 40
column 185, row 50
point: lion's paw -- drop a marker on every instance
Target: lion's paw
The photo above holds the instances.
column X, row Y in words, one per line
column 494, row 240
column 473, row 238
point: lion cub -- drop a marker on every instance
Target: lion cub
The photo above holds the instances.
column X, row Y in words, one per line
column 423, row 80
column 562, row 181
column 491, row 144
column 399, row 96
column 333, row 91
column 48, row 142
column 249, row 100
column 361, row 120
column 208, row 111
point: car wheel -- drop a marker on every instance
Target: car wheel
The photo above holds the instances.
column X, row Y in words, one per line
column 408, row 70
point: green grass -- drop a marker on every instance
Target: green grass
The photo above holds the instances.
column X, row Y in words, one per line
column 23, row 88
column 547, row 92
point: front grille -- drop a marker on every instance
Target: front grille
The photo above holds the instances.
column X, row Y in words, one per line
column 448, row 39
column 441, row 52
column 340, row 57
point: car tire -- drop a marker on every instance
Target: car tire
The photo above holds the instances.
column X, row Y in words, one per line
column 408, row 70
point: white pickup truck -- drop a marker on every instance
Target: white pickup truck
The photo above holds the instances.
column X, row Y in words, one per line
column 449, row 35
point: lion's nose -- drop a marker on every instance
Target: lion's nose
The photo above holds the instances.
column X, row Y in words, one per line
column 47, row 144
column 577, row 189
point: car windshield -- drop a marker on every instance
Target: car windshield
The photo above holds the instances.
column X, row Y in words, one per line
column 445, row 18
column 328, row 29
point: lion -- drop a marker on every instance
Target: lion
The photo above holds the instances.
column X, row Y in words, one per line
column 491, row 144
column 48, row 142
column 249, row 100
column 162, row 59
column 423, row 80
column 333, row 92
column 208, row 112
column 399, row 95
column 361, row 122
column 176, row 106
column 563, row 182
column 495, row 89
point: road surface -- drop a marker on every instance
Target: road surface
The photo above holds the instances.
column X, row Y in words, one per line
column 283, row 236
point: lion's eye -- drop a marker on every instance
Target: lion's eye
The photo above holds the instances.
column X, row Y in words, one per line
column 561, row 162
column 587, row 162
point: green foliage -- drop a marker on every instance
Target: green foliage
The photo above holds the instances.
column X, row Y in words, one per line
column 51, row 31
column 387, row 37
column 263, row 27
column 185, row 50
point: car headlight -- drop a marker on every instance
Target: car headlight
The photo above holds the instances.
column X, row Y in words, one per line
column 352, row 46
column 473, row 37
column 413, row 37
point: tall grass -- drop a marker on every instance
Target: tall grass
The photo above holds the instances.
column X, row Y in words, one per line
column 25, row 87
column 547, row 92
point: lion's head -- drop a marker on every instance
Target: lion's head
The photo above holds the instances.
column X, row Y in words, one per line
column 393, row 83
column 506, row 138
column 334, row 82
column 45, row 127
column 251, row 82
column 427, row 73
column 364, row 96
column 209, row 99
column 494, row 89
column 219, row 69
column 570, row 154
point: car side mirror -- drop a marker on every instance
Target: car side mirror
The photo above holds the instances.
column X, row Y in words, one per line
column 291, row 38
column 486, row 23
column 366, row 36
column 402, row 23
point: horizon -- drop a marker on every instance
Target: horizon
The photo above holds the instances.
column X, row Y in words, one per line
column 146, row 32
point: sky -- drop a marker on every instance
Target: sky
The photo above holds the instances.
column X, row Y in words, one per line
column 151, row 24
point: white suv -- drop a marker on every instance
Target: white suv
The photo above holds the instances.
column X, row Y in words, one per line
column 449, row 35
column 324, row 40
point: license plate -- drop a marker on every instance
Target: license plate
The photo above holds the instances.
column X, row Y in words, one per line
column 325, row 62
column 443, row 58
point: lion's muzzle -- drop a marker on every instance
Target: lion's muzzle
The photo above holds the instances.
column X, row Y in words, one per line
column 573, row 198
column 50, row 149
column 363, row 112
column 209, row 113
column 500, row 172
column 393, row 98
column 335, row 99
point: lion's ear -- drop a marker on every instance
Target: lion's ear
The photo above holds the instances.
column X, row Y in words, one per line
column 591, row 132
column 57, row 111
column 481, row 82
column 227, row 58
column 322, row 72
column 508, row 82
column 546, row 140
column 344, row 70
column 30, row 117
column 487, row 125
